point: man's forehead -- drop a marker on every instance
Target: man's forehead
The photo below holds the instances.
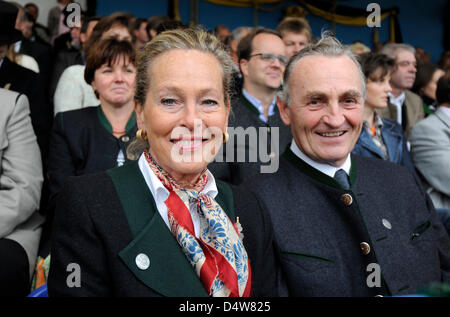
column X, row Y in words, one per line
column 403, row 55
column 319, row 66
column 266, row 40
column 322, row 73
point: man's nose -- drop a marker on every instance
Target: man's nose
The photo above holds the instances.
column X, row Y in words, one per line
column 334, row 116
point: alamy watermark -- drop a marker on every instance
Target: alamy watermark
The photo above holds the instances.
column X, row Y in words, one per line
column 74, row 15
column 244, row 145
column 374, row 18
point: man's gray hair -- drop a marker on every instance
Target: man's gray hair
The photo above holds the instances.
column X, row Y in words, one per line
column 392, row 49
column 239, row 32
column 328, row 46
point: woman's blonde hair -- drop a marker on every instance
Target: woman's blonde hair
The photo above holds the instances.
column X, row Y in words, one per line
column 182, row 39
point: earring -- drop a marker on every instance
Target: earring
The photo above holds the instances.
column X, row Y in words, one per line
column 226, row 137
column 141, row 135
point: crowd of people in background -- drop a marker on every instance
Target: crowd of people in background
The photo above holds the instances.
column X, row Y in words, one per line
column 77, row 83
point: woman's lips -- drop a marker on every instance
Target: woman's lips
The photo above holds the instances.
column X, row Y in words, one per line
column 189, row 143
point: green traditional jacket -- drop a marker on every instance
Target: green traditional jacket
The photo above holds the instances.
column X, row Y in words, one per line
column 152, row 237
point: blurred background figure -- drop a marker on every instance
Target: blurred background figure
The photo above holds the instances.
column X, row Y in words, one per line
column 358, row 48
column 422, row 56
column 20, row 79
column 95, row 138
column 55, row 20
column 430, row 148
column 170, row 25
column 153, row 22
column 232, row 43
column 68, row 57
column 140, row 35
column 444, row 61
column 34, row 47
column 39, row 30
column 222, row 31
column 20, row 192
column 72, row 91
column 404, row 106
column 425, row 84
column 381, row 138
column 296, row 34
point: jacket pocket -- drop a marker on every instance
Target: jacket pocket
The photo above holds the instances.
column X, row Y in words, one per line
column 419, row 232
column 307, row 262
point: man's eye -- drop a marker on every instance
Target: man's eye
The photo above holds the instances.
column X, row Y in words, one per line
column 349, row 102
column 315, row 103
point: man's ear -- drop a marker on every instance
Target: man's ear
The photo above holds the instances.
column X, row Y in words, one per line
column 243, row 66
column 285, row 111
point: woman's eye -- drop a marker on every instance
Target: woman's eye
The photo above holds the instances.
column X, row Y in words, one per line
column 168, row 101
column 210, row 102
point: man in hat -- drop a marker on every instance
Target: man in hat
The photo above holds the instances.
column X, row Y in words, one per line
column 17, row 78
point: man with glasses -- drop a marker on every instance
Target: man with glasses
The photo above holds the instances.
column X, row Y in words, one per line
column 257, row 134
column 404, row 106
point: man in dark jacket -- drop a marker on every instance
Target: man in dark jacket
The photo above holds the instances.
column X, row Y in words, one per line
column 17, row 78
column 346, row 225
column 256, row 133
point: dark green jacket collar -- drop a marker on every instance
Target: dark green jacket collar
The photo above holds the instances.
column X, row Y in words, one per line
column 316, row 174
column 169, row 273
column 107, row 125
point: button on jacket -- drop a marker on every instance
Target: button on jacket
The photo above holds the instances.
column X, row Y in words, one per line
column 124, row 248
column 328, row 246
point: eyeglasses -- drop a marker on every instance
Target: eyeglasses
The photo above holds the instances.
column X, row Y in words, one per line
column 271, row 58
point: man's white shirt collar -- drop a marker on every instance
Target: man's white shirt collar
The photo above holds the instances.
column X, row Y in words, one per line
column 324, row 168
column 398, row 103
column 160, row 193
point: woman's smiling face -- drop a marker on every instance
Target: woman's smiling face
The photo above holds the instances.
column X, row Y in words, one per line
column 184, row 113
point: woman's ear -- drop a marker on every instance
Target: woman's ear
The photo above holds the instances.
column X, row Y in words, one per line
column 140, row 118
column 228, row 114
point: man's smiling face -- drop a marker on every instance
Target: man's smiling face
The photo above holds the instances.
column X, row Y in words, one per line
column 326, row 107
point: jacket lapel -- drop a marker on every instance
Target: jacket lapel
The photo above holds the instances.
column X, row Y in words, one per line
column 367, row 143
column 168, row 273
column 443, row 117
column 391, row 139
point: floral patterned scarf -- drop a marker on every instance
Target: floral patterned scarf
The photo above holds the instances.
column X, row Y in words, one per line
column 218, row 256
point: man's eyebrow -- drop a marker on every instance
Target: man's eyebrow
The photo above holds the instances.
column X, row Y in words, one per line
column 315, row 95
column 351, row 94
